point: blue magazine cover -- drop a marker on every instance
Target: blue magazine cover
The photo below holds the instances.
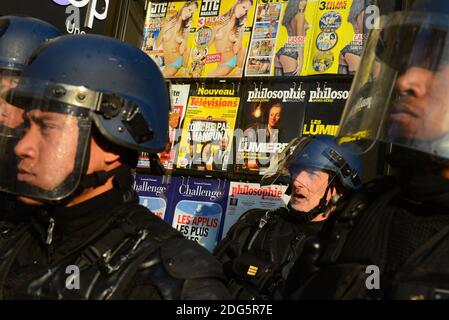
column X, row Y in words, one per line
column 198, row 207
column 154, row 193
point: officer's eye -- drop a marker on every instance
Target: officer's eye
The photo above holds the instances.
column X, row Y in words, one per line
column 45, row 125
column 312, row 171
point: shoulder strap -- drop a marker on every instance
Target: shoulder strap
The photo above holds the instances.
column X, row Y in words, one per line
column 286, row 263
column 296, row 249
column 262, row 223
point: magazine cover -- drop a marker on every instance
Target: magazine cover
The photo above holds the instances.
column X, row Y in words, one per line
column 168, row 25
column 362, row 16
column 339, row 30
column 278, row 41
column 198, row 207
column 143, row 161
column 222, row 34
column 179, row 95
column 247, row 196
column 154, row 194
column 208, row 127
column 271, row 115
column 325, row 106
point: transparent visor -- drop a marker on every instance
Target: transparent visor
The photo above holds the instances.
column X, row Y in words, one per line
column 400, row 93
column 8, row 80
column 43, row 140
column 307, row 166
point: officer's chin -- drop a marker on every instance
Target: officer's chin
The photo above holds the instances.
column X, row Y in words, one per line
column 298, row 206
column 30, row 201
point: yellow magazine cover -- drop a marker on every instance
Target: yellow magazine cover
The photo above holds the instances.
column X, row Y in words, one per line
column 221, row 38
column 337, row 36
column 363, row 15
column 167, row 35
column 208, row 128
column 279, row 36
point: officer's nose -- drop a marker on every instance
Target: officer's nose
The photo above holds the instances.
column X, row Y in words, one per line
column 301, row 180
column 414, row 81
column 27, row 146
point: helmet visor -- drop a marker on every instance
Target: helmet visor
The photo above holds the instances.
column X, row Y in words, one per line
column 43, row 141
column 399, row 94
column 8, row 79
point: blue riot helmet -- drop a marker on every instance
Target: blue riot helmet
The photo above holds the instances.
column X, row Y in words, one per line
column 399, row 95
column 303, row 160
column 323, row 153
column 71, row 84
column 19, row 38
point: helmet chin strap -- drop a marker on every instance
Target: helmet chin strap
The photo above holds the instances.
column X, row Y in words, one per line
column 97, row 178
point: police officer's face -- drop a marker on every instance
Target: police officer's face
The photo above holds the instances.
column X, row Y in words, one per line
column 308, row 187
column 10, row 116
column 47, row 151
column 8, row 82
column 420, row 109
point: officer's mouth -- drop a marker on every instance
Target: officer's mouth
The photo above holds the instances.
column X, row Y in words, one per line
column 401, row 111
column 24, row 175
column 298, row 197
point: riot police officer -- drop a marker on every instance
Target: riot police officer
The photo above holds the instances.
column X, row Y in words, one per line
column 391, row 242
column 90, row 103
column 19, row 37
column 260, row 250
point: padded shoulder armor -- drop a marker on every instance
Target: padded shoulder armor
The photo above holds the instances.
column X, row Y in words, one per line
column 180, row 268
column 185, row 259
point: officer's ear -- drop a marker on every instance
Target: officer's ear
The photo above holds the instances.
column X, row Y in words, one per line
column 111, row 153
column 104, row 149
column 111, row 156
